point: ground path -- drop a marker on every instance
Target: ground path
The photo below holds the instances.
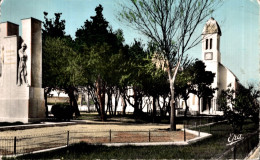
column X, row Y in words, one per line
column 33, row 139
column 88, row 125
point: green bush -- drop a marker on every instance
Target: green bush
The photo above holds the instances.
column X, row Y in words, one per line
column 62, row 111
column 55, row 103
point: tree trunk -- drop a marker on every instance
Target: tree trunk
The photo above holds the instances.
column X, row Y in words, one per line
column 88, row 104
column 154, row 108
column 101, row 98
column 117, row 95
column 124, row 105
column 73, row 101
column 95, row 100
column 109, row 102
column 199, row 105
column 172, row 104
column 186, row 109
column 97, row 105
column 164, row 106
column 136, row 102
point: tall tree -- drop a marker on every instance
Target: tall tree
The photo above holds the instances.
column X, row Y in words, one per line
column 134, row 75
column 102, row 51
column 59, row 60
column 52, row 28
column 202, row 81
column 171, row 25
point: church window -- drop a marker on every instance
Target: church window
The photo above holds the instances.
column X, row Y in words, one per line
column 207, row 44
column 218, row 44
column 210, row 45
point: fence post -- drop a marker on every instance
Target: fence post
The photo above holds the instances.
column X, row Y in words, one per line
column 149, row 136
column 184, row 133
column 110, row 135
column 68, row 138
column 248, row 145
column 199, row 131
column 234, row 152
column 14, row 145
column 209, row 128
column 196, row 126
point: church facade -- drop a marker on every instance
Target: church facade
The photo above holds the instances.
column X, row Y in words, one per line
column 224, row 78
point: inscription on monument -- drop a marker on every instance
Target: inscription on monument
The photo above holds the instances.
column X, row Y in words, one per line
column 10, row 57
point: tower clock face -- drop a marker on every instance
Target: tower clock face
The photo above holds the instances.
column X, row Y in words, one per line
column 208, row 56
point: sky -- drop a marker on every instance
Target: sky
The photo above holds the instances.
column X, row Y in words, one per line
column 238, row 20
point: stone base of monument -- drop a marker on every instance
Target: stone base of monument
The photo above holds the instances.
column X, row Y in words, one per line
column 37, row 104
column 27, row 108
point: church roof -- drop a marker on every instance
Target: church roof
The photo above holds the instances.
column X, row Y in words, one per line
column 229, row 71
column 211, row 27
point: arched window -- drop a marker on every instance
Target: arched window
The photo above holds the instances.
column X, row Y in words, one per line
column 207, row 44
column 210, row 45
column 218, row 44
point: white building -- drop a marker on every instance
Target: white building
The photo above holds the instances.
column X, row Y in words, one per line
column 212, row 58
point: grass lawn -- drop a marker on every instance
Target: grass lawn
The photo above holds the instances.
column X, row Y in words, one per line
column 210, row 148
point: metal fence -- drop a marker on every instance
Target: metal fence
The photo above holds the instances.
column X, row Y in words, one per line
column 114, row 136
column 242, row 148
column 32, row 143
column 28, row 144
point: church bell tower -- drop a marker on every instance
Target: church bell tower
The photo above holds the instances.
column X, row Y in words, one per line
column 210, row 48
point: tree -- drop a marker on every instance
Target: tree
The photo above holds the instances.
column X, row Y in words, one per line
column 184, row 86
column 202, row 81
column 102, row 50
column 170, row 24
column 155, row 85
column 59, row 59
column 239, row 105
column 52, row 28
column 133, row 75
column 60, row 68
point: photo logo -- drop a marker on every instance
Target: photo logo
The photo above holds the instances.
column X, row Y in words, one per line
column 233, row 138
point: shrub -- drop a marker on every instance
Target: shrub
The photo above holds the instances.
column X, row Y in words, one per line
column 62, row 111
column 239, row 105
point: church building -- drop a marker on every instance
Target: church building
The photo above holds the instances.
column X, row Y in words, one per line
column 211, row 56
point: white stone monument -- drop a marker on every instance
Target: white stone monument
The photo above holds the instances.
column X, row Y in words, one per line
column 21, row 92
